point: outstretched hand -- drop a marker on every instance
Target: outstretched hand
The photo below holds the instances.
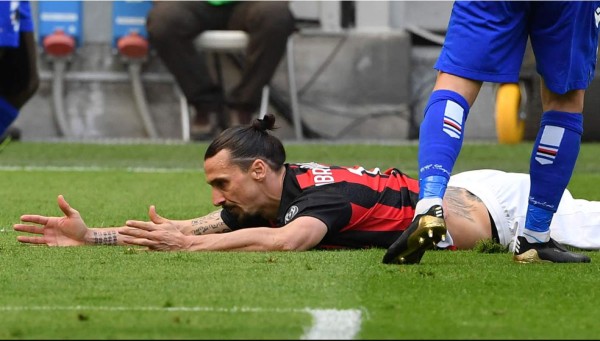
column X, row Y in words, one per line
column 159, row 234
column 68, row 230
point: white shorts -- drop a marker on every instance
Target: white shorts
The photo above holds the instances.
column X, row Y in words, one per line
column 576, row 223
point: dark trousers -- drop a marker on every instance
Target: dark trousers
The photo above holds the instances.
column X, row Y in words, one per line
column 173, row 25
column 19, row 79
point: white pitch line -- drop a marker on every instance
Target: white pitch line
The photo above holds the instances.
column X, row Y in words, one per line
column 328, row 324
column 82, row 169
column 333, row 324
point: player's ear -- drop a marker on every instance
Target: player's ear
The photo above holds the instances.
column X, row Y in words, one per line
column 258, row 169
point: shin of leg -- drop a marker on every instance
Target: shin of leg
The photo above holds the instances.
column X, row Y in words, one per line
column 441, row 137
column 551, row 165
column 8, row 113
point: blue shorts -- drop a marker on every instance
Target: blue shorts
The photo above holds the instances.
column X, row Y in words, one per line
column 486, row 41
column 15, row 17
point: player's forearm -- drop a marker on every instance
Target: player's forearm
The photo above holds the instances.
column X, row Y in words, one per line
column 104, row 236
column 251, row 239
column 210, row 223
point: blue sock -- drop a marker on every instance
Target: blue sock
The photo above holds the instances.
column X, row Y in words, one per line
column 440, row 141
column 8, row 114
column 552, row 162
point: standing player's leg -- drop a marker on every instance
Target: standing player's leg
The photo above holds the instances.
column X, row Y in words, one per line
column 499, row 27
column 440, row 142
column 20, row 83
column 8, row 111
column 564, row 38
column 18, row 63
column 552, row 162
column 441, row 138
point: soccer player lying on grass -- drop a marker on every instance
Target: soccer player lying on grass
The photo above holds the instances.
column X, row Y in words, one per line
column 269, row 205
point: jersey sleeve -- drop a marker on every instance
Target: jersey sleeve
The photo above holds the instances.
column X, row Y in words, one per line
column 329, row 206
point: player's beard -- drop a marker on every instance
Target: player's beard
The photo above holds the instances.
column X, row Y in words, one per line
column 236, row 211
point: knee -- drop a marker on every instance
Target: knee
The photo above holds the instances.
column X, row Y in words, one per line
column 20, row 98
column 572, row 101
column 275, row 18
column 34, row 85
column 32, row 88
column 161, row 23
column 284, row 24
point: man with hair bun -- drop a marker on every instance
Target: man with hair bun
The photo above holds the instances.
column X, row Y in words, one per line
column 266, row 204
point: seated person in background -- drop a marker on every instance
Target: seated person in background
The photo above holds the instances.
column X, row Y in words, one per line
column 174, row 25
column 269, row 205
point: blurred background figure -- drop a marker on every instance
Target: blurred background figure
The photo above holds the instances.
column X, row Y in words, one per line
column 19, row 78
column 174, row 25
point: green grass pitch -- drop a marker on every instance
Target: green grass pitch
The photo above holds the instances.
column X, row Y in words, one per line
column 103, row 292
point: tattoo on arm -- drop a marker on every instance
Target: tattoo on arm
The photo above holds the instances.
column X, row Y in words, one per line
column 105, row 238
column 210, row 223
column 461, row 202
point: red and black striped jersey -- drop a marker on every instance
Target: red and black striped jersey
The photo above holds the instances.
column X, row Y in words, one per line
column 361, row 208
